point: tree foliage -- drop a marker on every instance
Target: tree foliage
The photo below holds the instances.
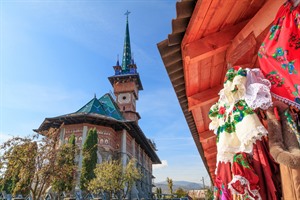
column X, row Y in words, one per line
column 180, row 192
column 158, row 192
column 170, row 185
column 89, row 160
column 65, row 159
column 29, row 164
column 113, row 179
column 20, row 163
column 209, row 194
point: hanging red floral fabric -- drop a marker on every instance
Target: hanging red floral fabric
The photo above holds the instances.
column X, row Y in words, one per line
column 245, row 180
column 279, row 55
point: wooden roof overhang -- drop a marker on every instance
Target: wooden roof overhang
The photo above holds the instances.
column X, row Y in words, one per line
column 207, row 37
column 96, row 119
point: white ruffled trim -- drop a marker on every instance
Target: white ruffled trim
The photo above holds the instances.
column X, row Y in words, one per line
column 257, row 90
column 213, row 125
column 260, row 132
column 226, row 154
column 246, row 183
column 285, row 100
column 225, row 157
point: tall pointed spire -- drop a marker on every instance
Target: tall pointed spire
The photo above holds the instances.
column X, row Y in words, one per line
column 127, row 49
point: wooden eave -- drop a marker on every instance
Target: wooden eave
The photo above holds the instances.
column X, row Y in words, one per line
column 219, row 34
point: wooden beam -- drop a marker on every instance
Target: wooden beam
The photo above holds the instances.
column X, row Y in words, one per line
column 263, row 18
column 210, row 156
column 211, row 44
column 211, row 163
column 196, row 20
column 212, row 159
column 211, row 150
column 206, row 135
column 203, row 98
column 212, row 170
column 233, row 54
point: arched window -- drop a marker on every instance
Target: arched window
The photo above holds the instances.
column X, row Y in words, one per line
column 99, row 160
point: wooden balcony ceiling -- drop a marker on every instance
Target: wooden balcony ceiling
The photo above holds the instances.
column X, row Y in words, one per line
column 207, row 37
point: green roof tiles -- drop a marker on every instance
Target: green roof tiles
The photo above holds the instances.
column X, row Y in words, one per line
column 93, row 106
column 103, row 106
column 110, row 107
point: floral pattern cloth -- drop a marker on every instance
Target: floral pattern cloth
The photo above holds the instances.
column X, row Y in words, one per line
column 279, row 55
column 245, row 180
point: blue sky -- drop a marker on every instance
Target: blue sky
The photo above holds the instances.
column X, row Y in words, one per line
column 55, row 55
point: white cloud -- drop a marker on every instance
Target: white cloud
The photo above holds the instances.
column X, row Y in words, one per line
column 164, row 164
column 4, row 137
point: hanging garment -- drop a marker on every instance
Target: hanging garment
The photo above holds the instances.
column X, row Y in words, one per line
column 285, row 149
column 236, row 125
column 267, row 171
column 245, row 180
column 290, row 181
column 223, row 177
column 279, row 55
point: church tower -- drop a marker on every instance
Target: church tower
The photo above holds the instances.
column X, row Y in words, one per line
column 126, row 81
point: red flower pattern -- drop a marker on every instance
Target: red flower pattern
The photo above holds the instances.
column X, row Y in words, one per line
column 222, row 110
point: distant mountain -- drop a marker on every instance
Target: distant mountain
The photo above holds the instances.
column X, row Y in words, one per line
column 186, row 185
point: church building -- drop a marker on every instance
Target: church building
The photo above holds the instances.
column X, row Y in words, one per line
column 116, row 122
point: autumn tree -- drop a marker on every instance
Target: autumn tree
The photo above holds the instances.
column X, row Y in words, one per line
column 180, row 192
column 19, row 160
column 113, row 179
column 65, row 159
column 170, row 185
column 89, row 160
column 28, row 165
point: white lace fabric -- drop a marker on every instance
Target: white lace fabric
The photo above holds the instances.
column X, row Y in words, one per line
column 258, row 93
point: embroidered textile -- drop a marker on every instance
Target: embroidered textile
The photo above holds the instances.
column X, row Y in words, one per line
column 235, row 123
column 245, row 180
column 279, row 55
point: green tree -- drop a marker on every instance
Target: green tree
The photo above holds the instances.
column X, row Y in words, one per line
column 170, row 185
column 18, row 164
column 29, row 164
column 209, row 194
column 130, row 176
column 180, row 192
column 158, row 192
column 65, row 159
column 89, row 161
column 113, row 179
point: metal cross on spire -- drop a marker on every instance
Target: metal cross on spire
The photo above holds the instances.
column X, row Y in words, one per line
column 127, row 13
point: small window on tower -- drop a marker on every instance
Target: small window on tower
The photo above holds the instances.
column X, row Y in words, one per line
column 123, row 108
column 124, row 97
